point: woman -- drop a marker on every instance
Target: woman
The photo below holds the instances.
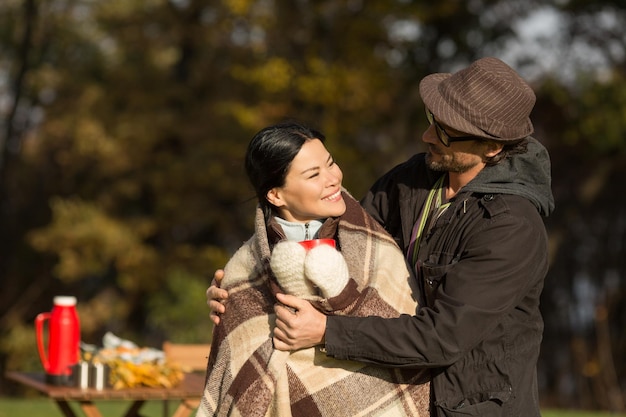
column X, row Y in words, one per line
column 298, row 186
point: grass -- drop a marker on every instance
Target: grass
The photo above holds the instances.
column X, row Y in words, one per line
column 571, row 413
column 42, row 407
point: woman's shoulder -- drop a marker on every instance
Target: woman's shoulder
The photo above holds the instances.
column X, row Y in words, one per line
column 240, row 265
column 356, row 220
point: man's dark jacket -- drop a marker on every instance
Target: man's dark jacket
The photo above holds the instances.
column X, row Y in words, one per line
column 481, row 271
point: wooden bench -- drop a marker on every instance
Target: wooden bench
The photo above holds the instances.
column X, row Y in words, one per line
column 193, row 358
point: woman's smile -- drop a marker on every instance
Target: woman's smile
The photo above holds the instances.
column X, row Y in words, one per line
column 333, row 197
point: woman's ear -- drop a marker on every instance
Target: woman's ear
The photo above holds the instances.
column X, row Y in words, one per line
column 274, row 197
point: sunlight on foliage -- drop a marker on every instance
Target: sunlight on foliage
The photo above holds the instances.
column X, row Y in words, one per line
column 92, row 141
column 251, row 117
column 121, row 8
column 166, row 57
column 273, row 76
column 320, row 85
column 87, row 241
column 238, row 7
column 105, row 309
column 335, row 86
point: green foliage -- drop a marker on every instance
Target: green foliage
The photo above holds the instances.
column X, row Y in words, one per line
column 179, row 309
column 21, row 344
column 88, row 242
column 593, row 115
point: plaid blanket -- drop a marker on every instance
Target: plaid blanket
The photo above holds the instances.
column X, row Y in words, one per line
column 247, row 377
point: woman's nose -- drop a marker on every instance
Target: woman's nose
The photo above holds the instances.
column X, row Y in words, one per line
column 334, row 176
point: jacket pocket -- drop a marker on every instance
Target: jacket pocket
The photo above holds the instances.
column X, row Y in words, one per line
column 432, row 276
column 487, row 404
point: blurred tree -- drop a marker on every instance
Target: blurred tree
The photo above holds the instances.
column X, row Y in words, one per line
column 583, row 300
column 580, row 112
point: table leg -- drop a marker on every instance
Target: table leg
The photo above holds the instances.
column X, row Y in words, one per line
column 66, row 410
column 186, row 407
column 89, row 408
column 133, row 410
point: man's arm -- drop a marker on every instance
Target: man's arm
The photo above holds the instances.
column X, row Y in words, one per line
column 494, row 279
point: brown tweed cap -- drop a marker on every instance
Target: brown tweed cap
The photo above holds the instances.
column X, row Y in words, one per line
column 488, row 99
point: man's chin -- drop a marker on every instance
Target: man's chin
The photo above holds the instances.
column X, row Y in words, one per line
column 432, row 164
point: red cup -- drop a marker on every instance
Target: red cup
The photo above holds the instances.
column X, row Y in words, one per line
column 313, row 243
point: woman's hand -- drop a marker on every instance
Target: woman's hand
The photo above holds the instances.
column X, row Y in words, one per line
column 298, row 324
column 215, row 297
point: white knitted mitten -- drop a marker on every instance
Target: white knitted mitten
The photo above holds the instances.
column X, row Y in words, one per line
column 287, row 262
column 326, row 267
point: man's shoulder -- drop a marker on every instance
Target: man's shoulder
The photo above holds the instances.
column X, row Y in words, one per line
column 511, row 205
column 414, row 167
column 417, row 160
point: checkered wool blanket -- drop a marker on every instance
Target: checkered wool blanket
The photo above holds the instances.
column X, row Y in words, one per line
column 247, row 377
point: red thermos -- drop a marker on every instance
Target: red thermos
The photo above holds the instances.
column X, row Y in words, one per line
column 63, row 348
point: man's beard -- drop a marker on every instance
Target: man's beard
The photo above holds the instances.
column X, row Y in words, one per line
column 449, row 165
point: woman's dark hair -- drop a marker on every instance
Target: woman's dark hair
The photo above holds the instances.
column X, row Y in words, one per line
column 270, row 154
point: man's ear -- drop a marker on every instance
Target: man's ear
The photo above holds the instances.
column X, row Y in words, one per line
column 274, row 197
column 492, row 148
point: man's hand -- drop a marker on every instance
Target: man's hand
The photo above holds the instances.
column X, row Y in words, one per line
column 298, row 324
column 215, row 296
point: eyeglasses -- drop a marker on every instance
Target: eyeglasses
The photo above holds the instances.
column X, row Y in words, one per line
column 442, row 134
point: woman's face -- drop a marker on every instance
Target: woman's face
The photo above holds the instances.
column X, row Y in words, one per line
column 312, row 187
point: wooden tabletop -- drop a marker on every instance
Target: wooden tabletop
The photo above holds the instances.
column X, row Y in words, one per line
column 190, row 387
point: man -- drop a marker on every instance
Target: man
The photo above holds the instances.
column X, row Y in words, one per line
column 467, row 214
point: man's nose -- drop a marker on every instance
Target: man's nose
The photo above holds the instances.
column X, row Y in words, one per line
column 430, row 135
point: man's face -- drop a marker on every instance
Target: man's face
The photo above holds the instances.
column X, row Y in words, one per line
column 459, row 157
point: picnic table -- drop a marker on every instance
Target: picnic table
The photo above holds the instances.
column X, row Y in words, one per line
column 187, row 394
